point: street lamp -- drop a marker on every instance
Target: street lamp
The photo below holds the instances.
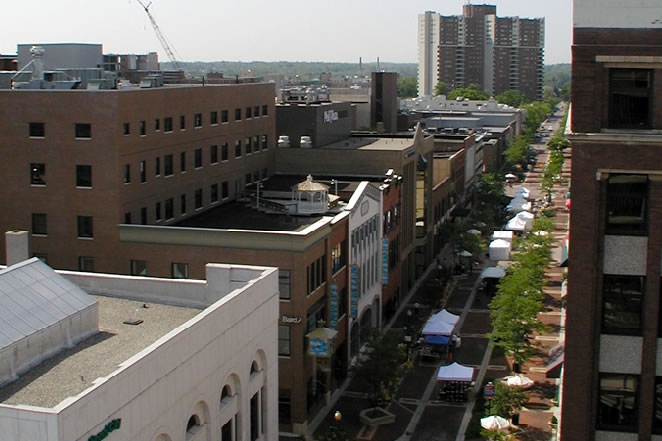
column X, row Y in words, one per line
column 335, row 183
column 337, row 416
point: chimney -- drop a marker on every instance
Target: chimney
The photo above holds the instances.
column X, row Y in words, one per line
column 18, row 246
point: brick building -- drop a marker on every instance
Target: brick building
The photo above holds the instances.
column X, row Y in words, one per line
column 613, row 364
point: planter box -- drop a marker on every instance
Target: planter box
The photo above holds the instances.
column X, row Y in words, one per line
column 376, row 416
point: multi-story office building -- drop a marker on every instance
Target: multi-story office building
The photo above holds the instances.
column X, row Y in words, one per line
column 478, row 47
column 613, row 357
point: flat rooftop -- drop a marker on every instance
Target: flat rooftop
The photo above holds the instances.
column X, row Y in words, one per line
column 73, row 370
column 365, row 143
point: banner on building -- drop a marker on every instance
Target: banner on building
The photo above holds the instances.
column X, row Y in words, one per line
column 333, row 314
column 354, row 285
column 385, row 261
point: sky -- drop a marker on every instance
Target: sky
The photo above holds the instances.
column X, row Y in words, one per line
column 259, row 30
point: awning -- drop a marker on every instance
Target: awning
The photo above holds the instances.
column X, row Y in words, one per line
column 565, row 248
column 555, row 363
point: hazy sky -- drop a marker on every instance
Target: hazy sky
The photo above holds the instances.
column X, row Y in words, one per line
column 259, row 30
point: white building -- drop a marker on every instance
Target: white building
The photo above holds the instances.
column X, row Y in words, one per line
column 142, row 359
column 365, row 262
column 428, row 46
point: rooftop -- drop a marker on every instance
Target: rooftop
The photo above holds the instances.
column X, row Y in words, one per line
column 73, row 370
column 366, row 143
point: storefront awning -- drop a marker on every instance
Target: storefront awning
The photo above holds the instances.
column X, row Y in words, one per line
column 555, row 363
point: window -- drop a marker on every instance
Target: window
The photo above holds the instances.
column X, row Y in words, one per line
column 657, row 414
column 179, row 270
column 224, row 116
column 265, row 145
column 265, row 110
column 617, row 405
column 213, row 118
column 339, row 256
column 198, row 198
column 249, row 178
column 157, row 167
column 256, row 176
column 316, row 274
column 256, row 111
column 36, row 129
column 224, row 151
column 182, row 122
column 197, row 120
column 157, row 211
column 167, row 124
column 86, row 264
column 143, row 171
column 284, row 407
column 255, row 417
column 626, row 204
column 237, row 114
column 249, row 112
column 213, row 191
column 256, row 143
column 197, row 158
column 264, row 173
column 169, row 209
column 182, row 203
column 621, row 304
column 39, row 223
column 127, row 129
column 157, row 125
column 83, row 130
column 37, row 174
column 283, row 340
column 630, row 98
column 237, row 148
column 143, row 216
column 142, row 127
column 138, row 268
column 167, row 165
column 83, row 176
column 213, row 154
column 225, row 191
column 85, row 226
column 127, row 218
column 284, row 284
column 249, row 145
column 182, row 162
column 127, row 173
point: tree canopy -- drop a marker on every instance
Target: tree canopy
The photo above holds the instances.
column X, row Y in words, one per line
column 513, row 98
column 407, row 87
column 472, row 92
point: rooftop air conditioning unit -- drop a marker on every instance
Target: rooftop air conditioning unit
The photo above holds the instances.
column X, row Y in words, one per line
column 306, row 142
column 283, row 141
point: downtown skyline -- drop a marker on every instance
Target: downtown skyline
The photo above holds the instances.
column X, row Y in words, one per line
column 296, row 30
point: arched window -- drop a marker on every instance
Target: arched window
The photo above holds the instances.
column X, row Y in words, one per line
column 193, row 422
column 226, row 392
column 254, row 368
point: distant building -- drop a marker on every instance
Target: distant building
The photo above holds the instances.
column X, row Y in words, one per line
column 89, row 356
column 478, row 47
column 612, row 381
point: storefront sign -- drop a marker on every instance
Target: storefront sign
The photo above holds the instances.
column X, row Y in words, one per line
column 354, row 285
column 385, row 261
column 333, row 315
column 318, row 347
column 293, row 320
column 111, row 426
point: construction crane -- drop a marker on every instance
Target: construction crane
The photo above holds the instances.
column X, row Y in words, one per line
column 160, row 36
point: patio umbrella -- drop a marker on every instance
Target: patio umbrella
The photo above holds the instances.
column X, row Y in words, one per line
column 511, row 176
column 474, row 231
column 480, row 225
column 464, row 253
column 520, row 381
column 494, row 422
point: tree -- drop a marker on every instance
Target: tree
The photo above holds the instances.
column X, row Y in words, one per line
column 380, row 367
column 558, row 142
column 513, row 98
column 441, row 88
column 507, row 401
column 517, row 152
column 407, row 87
column 472, row 92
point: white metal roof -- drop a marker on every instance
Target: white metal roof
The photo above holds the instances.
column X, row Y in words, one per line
column 33, row 297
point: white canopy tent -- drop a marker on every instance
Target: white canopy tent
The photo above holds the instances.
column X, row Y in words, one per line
column 494, row 422
column 523, row 191
column 455, row 372
column 520, row 381
column 493, row 272
column 503, row 235
column 518, row 204
column 499, row 250
column 523, row 221
column 441, row 323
